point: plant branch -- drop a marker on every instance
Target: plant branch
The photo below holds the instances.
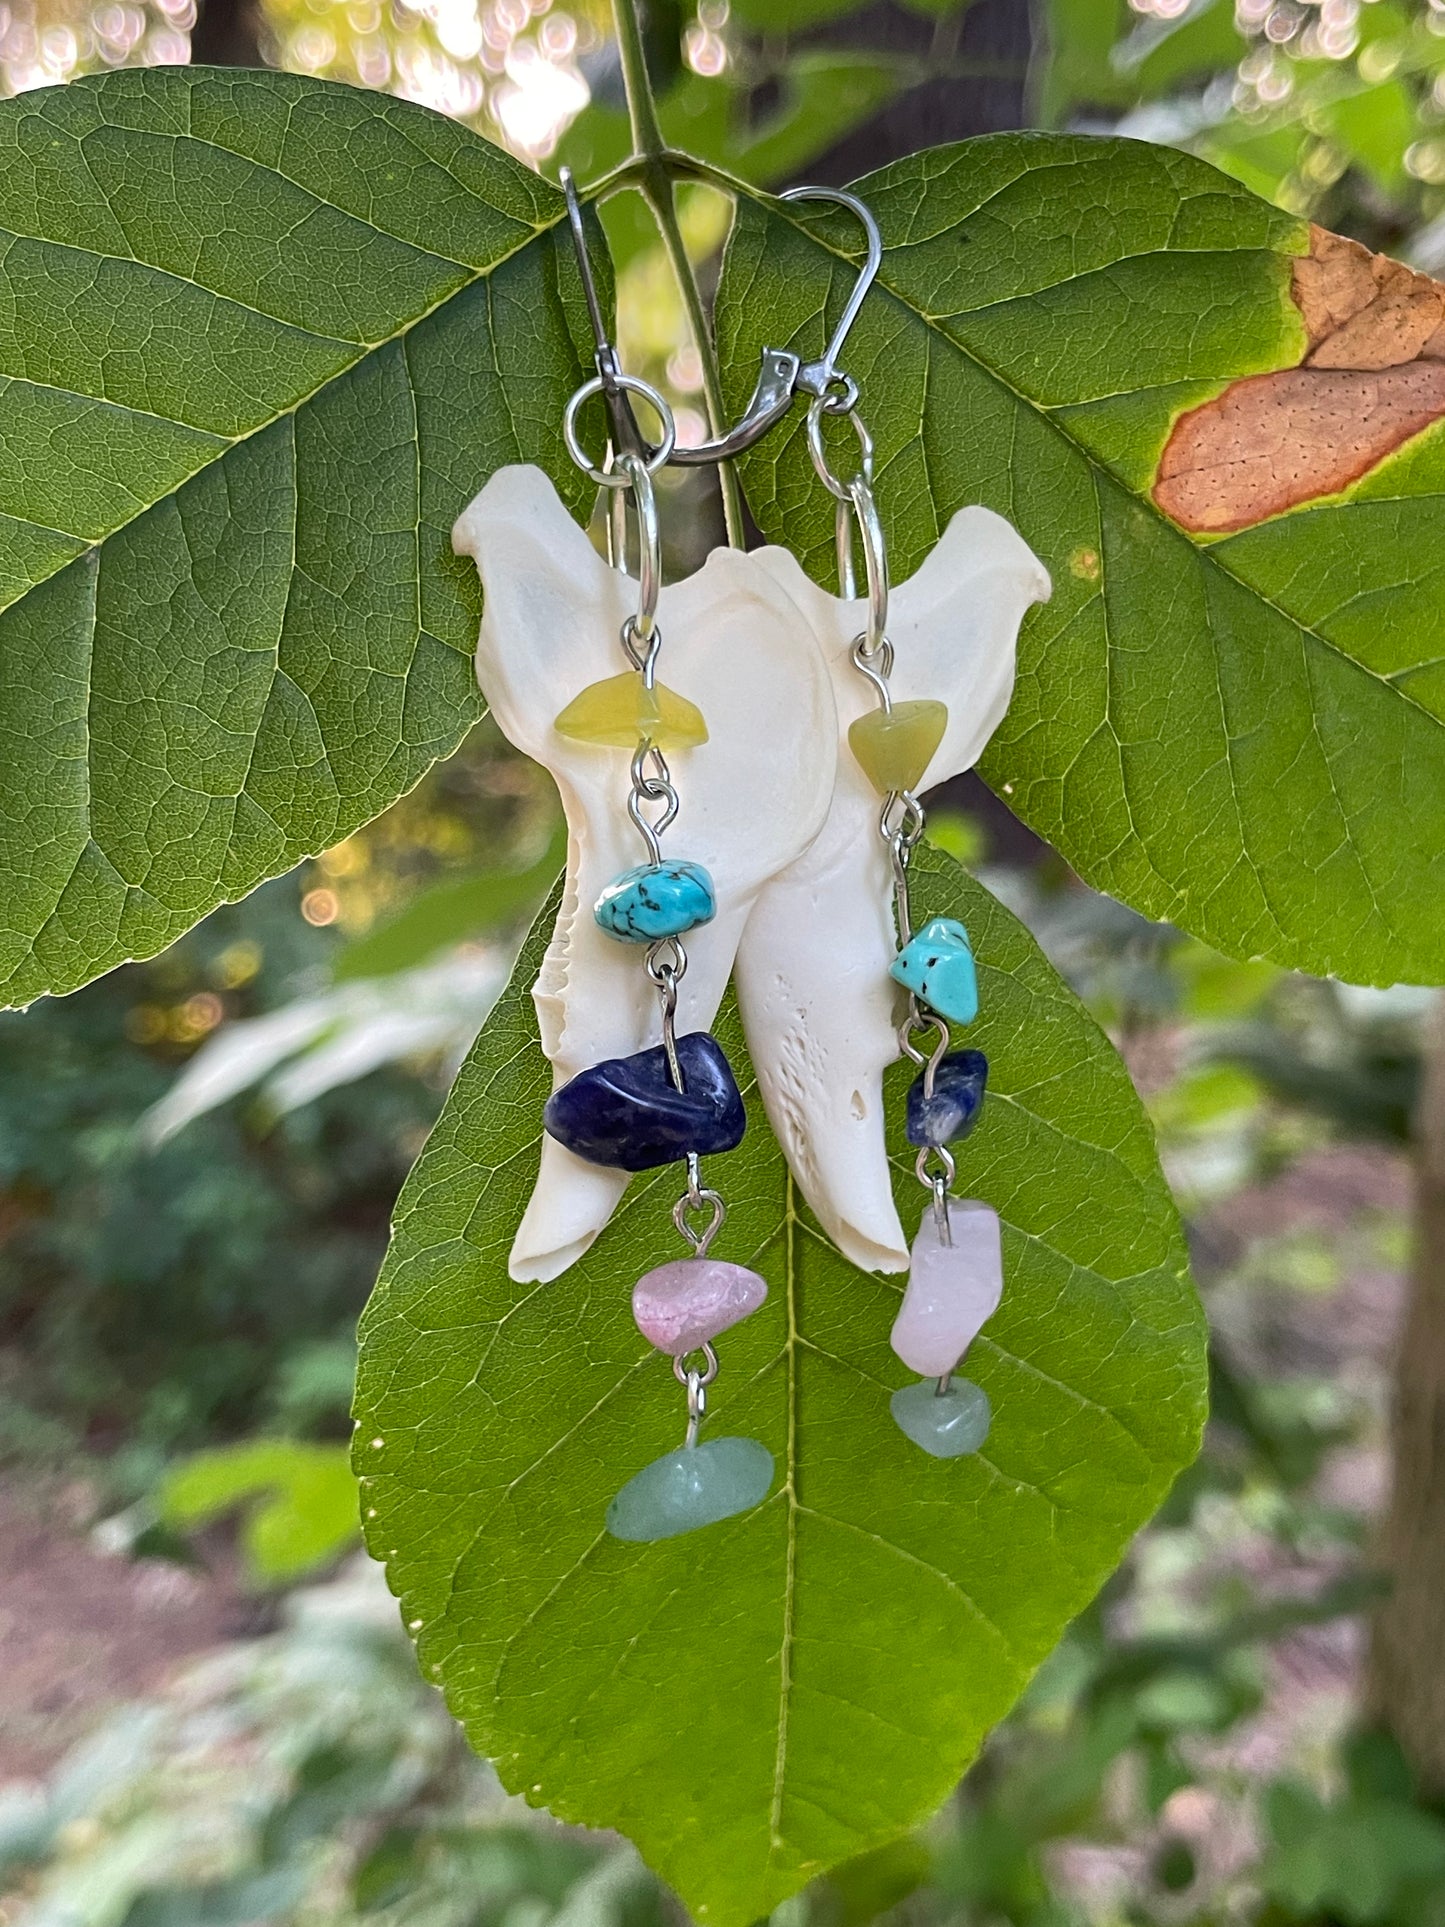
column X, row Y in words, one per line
column 641, row 107
column 655, row 176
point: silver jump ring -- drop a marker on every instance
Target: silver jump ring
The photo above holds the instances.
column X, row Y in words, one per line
column 634, row 385
column 682, row 1373
column 817, row 408
column 842, row 399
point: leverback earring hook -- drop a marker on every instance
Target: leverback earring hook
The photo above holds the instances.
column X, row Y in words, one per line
column 818, row 376
column 783, row 375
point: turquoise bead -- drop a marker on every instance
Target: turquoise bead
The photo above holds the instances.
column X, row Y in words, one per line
column 694, row 1486
column 937, row 966
column 946, row 1424
column 656, row 900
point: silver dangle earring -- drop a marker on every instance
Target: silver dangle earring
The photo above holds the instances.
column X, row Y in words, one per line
column 955, row 1278
column 677, row 1101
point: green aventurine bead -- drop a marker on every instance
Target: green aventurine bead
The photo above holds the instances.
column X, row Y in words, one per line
column 894, row 749
column 694, row 1486
column 946, row 1424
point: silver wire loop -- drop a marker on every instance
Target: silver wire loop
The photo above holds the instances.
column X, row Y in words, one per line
column 900, row 824
column 606, row 384
column 938, row 1182
column 906, row 832
column 917, row 1020
column 642, row 652
column 640, row 637
column 840, row 397
column 877, row 671
column 697, row 1383
column 682, row 1372
column 666, row 964
column 694, row 1199
column 654, row 788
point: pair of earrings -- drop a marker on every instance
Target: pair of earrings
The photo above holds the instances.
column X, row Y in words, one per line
column 784, row 881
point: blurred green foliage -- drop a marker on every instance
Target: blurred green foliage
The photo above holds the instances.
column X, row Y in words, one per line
column 299, row 1502
column 1333, row 108
column 155, row 1299
column 149, row 1298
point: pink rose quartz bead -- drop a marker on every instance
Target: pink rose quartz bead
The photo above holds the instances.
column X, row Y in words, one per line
column 952, row 1289
column 681, row 1305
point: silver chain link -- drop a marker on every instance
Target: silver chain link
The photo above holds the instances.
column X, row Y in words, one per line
column 652, row 805
column 697, row 1383
column 902, row 820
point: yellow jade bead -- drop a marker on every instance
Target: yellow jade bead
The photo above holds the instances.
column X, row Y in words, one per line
column 894, row 749
column 621, row 712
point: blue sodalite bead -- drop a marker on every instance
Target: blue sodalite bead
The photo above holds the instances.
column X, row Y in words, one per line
column 952, row 1111
column 937, row 966
column 656, row 900
column 626, row 1112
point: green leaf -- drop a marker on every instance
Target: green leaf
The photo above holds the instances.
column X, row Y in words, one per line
column 449, row 913
column 262, row 338
column 1242, row 736
column 768, row 1699
column 299, row 1499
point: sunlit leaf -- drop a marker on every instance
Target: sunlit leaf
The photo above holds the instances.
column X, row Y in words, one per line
column 1246, row 736
column 263, row 338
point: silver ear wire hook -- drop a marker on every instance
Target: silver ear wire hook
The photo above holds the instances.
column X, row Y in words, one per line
column 818, row 376
column 782, row 376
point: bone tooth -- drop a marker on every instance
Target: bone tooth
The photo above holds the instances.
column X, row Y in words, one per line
column 753, row 796
column 819, row 1009
column 820, row 1037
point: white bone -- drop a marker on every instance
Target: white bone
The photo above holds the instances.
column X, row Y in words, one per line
column 819, row 1009
column 736, row 643
column 774, row 805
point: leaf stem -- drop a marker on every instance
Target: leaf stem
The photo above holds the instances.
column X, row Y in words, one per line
column 654, row 173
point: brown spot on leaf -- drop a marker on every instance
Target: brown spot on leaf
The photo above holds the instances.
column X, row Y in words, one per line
column 1372, row 376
